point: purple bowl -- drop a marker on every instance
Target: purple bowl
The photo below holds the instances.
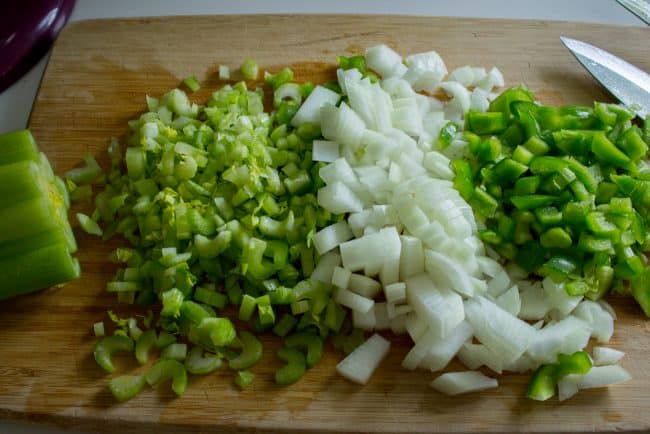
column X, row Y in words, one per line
column 27, row 30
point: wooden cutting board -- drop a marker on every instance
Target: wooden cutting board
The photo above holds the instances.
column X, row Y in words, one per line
column 95, row 82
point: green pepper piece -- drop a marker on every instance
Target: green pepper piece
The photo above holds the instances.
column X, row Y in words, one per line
column 590, row 243
column 632, row 144
column 522, row 155
column 507, row 171
column 486, row 123
column 640, row 288
column 109, row 345
column 548, row 216
column 530, row 256
column 573, row 142
column 608, row 153
column 167, row 369
column 577, row 287
column 545, row 165
column 559, row 267
column 537, row 146
column 503, row 102
column 598, row 224
column 526, row 185
column 483, row 203
column 251, row 352
column 198, row 364
column 126, row 387
column 532, row 201
column 463, row 178
column 542, row 384
column 555, row 238
column 577, row 363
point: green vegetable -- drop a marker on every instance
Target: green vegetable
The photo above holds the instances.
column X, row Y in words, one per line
column 293, row 370
column 143, row 344
column 249, row 69
column 167, row 369
column 251, row 352
column 560, row 190
column 109, row 345
column 36, row 240
column 542, row 384
column 192, row 83
column 243, row 379
column 198, row 364
column 126, row 387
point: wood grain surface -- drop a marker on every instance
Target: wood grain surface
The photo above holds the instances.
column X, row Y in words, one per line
column 95, row 82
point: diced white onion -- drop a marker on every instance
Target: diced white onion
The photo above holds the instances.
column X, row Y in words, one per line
column 309, row 111
column 606, row 356
column 359, row 365
column 331, row 236
column 325, row 150
column 455, row 383
column 353, row 301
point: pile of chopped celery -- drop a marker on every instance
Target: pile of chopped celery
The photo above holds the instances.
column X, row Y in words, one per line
column 36, row 240
column 218, row 202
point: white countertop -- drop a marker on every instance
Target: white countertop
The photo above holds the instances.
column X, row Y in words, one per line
column 16, row 101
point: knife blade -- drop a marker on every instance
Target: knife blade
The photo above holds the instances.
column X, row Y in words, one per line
column 625, row 81
column 640, row 8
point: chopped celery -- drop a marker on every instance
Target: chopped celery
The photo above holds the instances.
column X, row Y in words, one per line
column 126, row 387
column 243, row 379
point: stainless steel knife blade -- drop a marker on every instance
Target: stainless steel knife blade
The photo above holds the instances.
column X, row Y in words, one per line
column 625, row 81
column 640, row 8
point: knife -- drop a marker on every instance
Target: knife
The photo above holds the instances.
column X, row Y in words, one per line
column 625, row 81
column 640, row 8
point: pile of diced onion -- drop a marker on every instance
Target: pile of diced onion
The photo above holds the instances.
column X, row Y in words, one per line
column 410, row 239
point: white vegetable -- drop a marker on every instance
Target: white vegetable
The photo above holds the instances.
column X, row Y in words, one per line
column 568, row 386
column 398, row 324
column 510, row 301
column 415, row 326
column 224, row 72
column 381, row 316
column 493, row 79
column 489, row 266
column 365, row 321
column 438, row 165
column 447, row 273
column 444, row 350
column 455, row 383
column 606, row 356
column 362, row 253
column 341, row 124
column 309, row 111
column 346, row 75
column 503, row 333
column 534, row 304
column 384, row 60
column 331, row 236
column 359, row 365
column 337, row 198
column 474, row 356
column 558, row 297
column 425, row 71
column 325, row 150
column 341, row 278
column 499, row 283
column 325, row 268
column 566, row 336
column 389, row 272
column 601, row 376
column 353, row 301
column 459, row 102
column 411, row 257
column 364, row 286
column 479, row 100
column 395, row 292
column 440, row 307
column 598, row 318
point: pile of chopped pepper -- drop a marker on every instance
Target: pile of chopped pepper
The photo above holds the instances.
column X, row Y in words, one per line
column 563, row 192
